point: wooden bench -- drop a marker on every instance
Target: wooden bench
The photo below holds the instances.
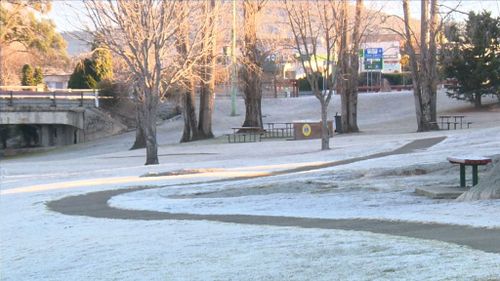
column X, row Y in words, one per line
column 469, row 161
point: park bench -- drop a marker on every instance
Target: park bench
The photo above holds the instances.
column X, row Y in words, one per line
column 469, row 161
column 245, row 134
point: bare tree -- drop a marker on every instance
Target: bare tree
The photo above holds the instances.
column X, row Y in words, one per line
column 207, row 89
column 141, row 33
column 252, row 60
column 423, row 67
column 140, row 139
column 316, row 27
column 187, row 86
column 347, row 85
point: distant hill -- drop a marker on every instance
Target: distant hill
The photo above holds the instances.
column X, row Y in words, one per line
column 77, row 42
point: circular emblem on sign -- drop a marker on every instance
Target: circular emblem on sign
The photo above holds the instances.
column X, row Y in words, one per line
column 306, row 130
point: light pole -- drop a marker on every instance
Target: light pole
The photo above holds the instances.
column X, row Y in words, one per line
column 234, row 77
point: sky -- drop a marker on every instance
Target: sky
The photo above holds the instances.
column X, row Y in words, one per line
column 68, row 14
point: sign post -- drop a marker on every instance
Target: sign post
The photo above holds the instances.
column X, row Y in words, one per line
column 373, row 61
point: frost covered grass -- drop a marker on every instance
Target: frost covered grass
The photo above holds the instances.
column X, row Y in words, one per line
column 37, row 244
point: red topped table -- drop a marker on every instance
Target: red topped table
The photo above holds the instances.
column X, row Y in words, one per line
column 469, row 161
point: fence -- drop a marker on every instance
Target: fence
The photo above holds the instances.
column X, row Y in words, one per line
column 64, row 99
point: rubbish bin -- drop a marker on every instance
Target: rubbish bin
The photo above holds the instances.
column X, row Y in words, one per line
column 338, row 123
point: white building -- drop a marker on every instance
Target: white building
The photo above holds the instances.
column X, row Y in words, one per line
column 56, row 81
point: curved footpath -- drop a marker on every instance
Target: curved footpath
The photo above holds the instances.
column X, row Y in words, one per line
column 95, row 205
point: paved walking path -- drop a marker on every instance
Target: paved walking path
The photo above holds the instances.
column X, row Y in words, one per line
column 95, row 205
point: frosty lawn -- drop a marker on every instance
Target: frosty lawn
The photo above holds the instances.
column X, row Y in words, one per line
column 38, row 244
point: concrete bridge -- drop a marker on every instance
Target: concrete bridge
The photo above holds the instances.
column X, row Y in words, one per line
column 56, row 118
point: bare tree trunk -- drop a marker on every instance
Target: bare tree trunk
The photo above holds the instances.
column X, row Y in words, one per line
column 148, row 110
column 186, row 132
column 207, row 92
column 188, row 94
column 425, row 72
column 253, row 114
column 477, row 100
column 140, row 139
column 275, row 87
column 207, row 95
column 413, row 63
column 252, row 67
column 189, row 113
column 354, row 72
column 344, row 80
column 325, row 134
column 424, row 69
column 349, row 65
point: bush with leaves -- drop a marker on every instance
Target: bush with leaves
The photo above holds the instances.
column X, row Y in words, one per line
column 24, row 29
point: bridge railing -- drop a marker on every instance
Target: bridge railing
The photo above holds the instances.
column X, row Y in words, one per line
column 73, row 98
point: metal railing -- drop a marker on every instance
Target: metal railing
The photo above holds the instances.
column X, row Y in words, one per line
column 70, row 98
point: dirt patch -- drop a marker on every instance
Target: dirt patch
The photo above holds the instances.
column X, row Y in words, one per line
column 182, row 172
column 264, row 189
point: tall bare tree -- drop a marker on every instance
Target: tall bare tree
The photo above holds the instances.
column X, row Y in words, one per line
column 423, row 65
column 207, row 88
column 347, row 85
column 187, row 86
column 251, row 64
column 141, row 33
column 316, row 27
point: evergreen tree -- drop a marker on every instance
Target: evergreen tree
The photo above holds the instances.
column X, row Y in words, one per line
column 27, row 78
column 38, row 76
column 83, row 76
column 89, row 72
column 473, row 59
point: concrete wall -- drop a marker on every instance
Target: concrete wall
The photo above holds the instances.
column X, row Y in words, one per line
column 98, row 124
column 56, row 127
column 57, row 135
column 15, row 116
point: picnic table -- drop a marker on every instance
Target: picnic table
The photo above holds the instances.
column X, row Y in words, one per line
column 245, row 134
column 457, row 119
column 469, row 161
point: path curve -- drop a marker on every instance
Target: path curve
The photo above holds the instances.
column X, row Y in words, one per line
column 95, row 204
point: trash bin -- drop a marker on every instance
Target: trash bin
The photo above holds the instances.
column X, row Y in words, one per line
column 338, row 123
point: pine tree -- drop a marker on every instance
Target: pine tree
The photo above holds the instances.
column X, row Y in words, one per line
column 89, row 72
column 38, row 76
column 473, row 60
column 83, row 77
column 27, row 78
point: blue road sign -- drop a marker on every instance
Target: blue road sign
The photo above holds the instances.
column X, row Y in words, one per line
column 374, row 53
